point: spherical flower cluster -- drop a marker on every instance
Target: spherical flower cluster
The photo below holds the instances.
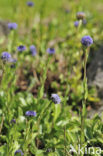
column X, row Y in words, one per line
column 30, row 4
column 13, row 62
column 55, row 98
column 84, row 21
column 33, row 50
column 21, row 48
column 12, row 26
column 30, row 113
column 50, row 50
column 76, row 23
column 13, row 121
column 67, row 11
column 5, row 56
column 86, row 41
column 19, row 152
column 80, row 15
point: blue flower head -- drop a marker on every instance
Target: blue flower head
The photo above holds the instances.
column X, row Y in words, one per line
column 55, row 98
column 50, row 50
column 76, row 23
column 30, row 113
column 67, row 11
column 19, row 152
column 80, row 15
column 84, row 21
column 13, row 62
column 12, row 26
column 13, row 121
column 86, row 41
column 30, row 3
column 5, row 56
column 33, row 50
column 21, row 48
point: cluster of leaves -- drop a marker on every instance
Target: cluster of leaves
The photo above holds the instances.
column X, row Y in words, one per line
column 29, row 83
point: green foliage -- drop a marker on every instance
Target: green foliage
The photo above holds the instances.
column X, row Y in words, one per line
column 29, row 85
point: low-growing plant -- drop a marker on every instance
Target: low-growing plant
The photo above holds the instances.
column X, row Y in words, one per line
column 44, row 93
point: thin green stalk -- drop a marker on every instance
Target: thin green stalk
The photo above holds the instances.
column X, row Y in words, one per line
column 53, row 108
column 1, row 125
column 83, row 116
column 11, row 40
column 65, row 140
column 43, row 112
column 42, row 11
column 43, row 79
column 65, row 102
column 26, row 138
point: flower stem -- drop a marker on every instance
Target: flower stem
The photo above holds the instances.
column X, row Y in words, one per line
column 1, row 125
column 85, row 90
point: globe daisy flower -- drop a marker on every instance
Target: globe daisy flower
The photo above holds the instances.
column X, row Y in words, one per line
column 5, row 56
column 33, row 50
column 12, row 26
column 21, row 48
column 30, row 3
column 19, row 152
column 50, row 50
column 55, row 98
column 30, row 113
column 76, row 23
column 80, row 15
column 86, row 41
